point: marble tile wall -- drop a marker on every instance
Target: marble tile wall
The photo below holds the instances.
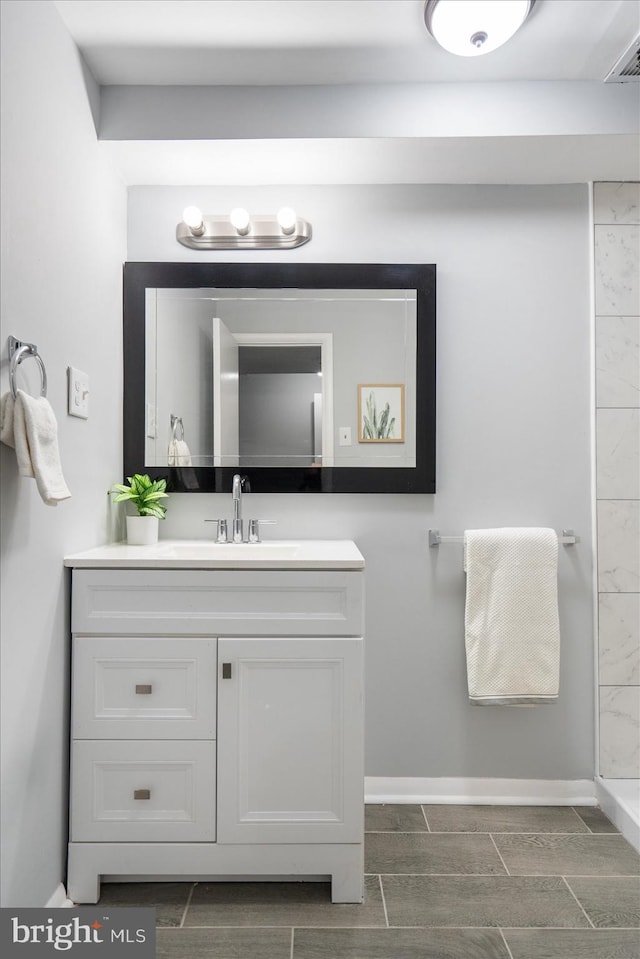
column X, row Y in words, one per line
column 617, row 374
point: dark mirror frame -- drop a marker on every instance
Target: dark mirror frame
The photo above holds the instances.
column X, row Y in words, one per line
column 420, row 277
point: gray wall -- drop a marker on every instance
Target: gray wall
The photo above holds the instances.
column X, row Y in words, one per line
column 61, row 288
column 513, row 449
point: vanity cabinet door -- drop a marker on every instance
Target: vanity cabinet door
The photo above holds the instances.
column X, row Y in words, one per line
column 290, row 731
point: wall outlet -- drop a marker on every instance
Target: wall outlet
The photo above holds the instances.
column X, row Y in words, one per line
column 344, row 436
column 78, row 404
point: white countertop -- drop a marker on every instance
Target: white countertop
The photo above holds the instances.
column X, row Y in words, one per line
column 205, row 554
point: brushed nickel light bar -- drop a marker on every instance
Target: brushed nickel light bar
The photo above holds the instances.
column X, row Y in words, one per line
column 240, row 231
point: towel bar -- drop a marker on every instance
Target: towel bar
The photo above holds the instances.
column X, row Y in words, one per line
column 18, row 351
column 567, row 538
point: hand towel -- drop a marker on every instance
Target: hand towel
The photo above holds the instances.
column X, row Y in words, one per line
column 13, row 432
column 6, row 420
column 512, row 634
column 179, row 453
column 36, row 441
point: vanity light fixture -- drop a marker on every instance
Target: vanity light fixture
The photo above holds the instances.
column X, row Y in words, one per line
column 471, row 28
column 240, row 231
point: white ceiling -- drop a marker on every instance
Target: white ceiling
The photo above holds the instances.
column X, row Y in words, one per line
column 376, row 44
column 333, row 41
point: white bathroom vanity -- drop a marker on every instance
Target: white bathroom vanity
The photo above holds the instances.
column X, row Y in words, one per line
column 217, row 714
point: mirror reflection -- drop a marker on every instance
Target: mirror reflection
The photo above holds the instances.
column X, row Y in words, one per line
column 309, row 378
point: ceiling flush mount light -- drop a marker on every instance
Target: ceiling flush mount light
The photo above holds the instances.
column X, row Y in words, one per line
column 471, row 28
column 240, row 231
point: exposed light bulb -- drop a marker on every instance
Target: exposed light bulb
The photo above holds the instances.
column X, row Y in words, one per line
column 192, row 216
column 471, row 28
column 287, row 219
column 240, row 220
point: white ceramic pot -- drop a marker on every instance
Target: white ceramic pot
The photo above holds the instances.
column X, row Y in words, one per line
column 142, row 530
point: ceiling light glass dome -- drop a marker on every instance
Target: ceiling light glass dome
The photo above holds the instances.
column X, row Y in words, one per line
column 471, row 28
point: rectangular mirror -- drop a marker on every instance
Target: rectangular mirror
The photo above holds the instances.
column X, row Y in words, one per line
column 305, row 378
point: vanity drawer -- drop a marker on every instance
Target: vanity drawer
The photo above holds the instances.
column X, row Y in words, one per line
column 143, row 791
column 132, row 688
column 217, row 602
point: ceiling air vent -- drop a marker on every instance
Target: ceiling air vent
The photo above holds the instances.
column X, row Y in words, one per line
column 627, row 68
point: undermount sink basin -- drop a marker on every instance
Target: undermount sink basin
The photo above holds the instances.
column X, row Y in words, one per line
column 242, row 552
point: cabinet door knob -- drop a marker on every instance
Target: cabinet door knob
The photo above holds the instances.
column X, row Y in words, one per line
column 142, row 794
column 226, row 670
column 144, row 689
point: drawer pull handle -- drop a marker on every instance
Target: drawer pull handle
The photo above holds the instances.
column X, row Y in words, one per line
column 226, row 670
column 142, row 794
column 144, row 689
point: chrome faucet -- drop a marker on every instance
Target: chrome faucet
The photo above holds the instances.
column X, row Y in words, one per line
column 239, row 485
column 236, row 492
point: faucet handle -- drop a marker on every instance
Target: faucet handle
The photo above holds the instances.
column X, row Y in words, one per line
column 254, row 528
column 221, row 530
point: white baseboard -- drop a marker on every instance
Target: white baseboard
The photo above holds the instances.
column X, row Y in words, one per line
column 499, row 792
column 59, row 899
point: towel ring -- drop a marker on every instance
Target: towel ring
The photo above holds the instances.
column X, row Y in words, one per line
column 176, row 421
column 18, row 351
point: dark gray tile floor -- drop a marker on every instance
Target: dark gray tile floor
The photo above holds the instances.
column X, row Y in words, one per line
column 443, row 882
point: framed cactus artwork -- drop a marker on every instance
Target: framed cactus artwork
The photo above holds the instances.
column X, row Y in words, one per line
column 381, row 412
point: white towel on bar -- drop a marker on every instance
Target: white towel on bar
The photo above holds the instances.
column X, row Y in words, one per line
column 35, row 434
column 512, row 633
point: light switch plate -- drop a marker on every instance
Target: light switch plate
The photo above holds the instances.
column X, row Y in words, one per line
column 344, row 436
column 152, row 426
column 78, row 393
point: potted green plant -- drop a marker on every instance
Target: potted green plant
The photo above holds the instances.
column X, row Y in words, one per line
column 145, row 494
